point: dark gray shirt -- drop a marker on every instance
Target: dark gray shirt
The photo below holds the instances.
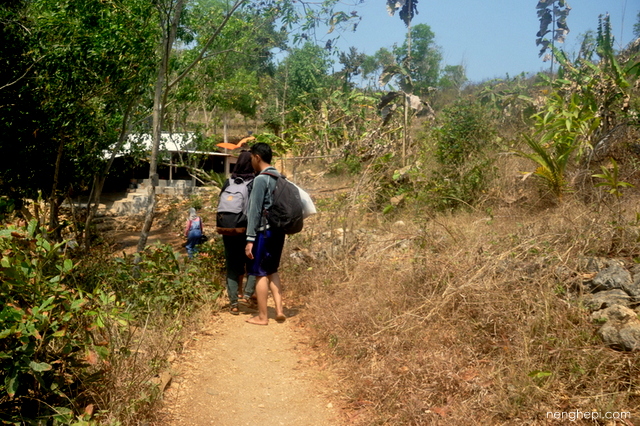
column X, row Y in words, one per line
column 260, row 200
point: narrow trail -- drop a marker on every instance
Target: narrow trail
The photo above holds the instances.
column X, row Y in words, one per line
column 235, row 373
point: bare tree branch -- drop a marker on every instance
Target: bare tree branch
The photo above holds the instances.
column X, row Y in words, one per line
column 206, row 46
column 21, row 77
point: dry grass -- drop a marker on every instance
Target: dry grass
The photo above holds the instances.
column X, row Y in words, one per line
column 132, row 379
column 468, row 318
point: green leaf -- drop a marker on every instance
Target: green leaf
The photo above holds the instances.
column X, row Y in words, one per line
column 217, row 294
column 31, row 229
column 46, row 304
column 99, row 322
column 40, row 366
column 68, row 265
column 537, row 374
column 63, row 415
column 78, row 303
column 11, row 384
column 102, row 351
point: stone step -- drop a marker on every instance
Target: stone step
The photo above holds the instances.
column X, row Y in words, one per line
column 133, row 204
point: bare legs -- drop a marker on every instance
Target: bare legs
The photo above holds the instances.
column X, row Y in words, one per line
column 263, row 285
column 262, row 292
column 276, row 291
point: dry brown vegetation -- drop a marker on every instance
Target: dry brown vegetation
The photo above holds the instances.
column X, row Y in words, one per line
column 466, row 318
column 134, row 376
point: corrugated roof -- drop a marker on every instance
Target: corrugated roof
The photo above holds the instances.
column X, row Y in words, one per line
column 169, row 142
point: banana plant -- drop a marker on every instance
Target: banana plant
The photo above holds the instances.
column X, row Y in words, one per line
column 567, row 123
column 387, row 107
column 604, row 86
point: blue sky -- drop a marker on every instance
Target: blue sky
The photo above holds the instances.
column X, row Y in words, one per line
column 490, row 38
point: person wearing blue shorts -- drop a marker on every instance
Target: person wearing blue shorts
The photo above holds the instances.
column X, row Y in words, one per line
column 264, row 244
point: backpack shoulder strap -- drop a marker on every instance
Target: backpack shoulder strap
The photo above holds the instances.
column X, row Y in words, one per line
column 273, row 175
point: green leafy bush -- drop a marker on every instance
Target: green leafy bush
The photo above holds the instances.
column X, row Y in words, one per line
column 47, row 328
column 7, row 206
column 66, row 324
column 350, row 164
column 452, row 189
column 462, row 141
column 158, row 282
column 465, row 131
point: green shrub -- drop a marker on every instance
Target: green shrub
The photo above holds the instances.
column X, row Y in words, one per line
column 466, row 130
column 454, row 188
column 218, row 179
column 462, row 142
column 64, row 322
column 7, row 206
column 347, row 165
column 158, row 282
column 196, row 202
column 47, row 327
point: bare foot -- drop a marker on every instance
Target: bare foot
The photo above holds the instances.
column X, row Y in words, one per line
column 280, row 318
column 257, row 321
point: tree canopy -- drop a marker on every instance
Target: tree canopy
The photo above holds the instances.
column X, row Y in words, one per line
column 423, row 56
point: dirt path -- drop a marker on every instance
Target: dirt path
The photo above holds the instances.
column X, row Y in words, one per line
column 234, row 373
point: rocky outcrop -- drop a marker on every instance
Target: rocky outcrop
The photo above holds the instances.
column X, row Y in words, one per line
column 614, row 276
column 612, row 293
column 621, row 327
column 606, row 299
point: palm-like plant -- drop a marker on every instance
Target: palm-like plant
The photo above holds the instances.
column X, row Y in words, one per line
column 564, row 127
column 551, row 163
column 588, row 101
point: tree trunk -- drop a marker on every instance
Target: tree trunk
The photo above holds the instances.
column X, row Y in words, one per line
column 225, row 139
column 53, row 199
column 169, row 23
column 405, row 138
column 99, row 179
column 159, row 97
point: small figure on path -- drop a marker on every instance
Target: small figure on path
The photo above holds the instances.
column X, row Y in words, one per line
column 193, row 232
column 264, row 244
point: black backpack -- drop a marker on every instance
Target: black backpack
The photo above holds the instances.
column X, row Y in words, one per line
column 286, row 206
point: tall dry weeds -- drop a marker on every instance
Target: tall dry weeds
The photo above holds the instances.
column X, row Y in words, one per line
column 464, row 319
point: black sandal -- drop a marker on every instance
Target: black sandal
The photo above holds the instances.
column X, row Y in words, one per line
column 251, row 302
column 234, row 310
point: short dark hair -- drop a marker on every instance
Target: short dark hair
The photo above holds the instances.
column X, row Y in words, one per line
column 263, row 150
